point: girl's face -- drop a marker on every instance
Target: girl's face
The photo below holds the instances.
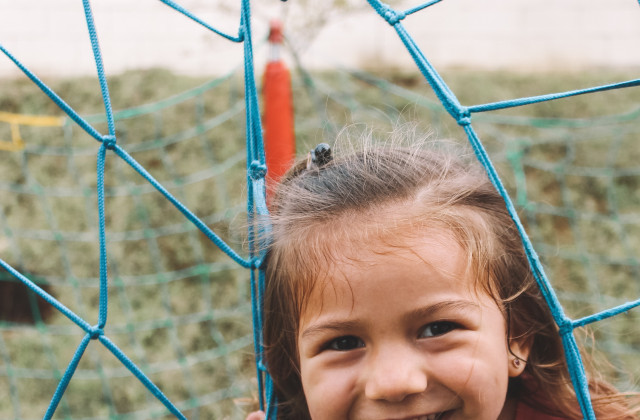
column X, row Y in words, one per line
column 405, row 335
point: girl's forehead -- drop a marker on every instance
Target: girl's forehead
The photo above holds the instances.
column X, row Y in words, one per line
column 421, row 270
column 369, row 241
column 429, row 249
column 332, row 251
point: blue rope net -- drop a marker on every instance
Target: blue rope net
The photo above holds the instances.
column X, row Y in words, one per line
column 97, row 329
column 255, row 169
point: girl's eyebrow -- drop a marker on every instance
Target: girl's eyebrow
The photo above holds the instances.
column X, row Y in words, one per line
column 329, row 326
column 465, row 306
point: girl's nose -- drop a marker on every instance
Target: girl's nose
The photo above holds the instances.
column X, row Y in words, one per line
column 395, row 374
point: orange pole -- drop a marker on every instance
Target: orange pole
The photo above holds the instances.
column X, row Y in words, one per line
column 279, row 138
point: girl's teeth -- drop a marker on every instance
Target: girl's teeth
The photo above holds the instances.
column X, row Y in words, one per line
column 429, row 417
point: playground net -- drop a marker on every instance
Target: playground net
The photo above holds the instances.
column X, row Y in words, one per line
column 180, row 306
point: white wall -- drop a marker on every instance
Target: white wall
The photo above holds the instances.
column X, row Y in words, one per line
column 50, row 36
column 516, row 34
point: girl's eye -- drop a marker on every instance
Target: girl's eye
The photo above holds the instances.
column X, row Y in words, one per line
column 346, row 343
column 438, row 328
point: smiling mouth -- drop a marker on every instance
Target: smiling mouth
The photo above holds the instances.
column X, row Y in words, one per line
column 435, row 416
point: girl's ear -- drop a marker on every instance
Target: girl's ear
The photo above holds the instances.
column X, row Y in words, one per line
column 518, row 355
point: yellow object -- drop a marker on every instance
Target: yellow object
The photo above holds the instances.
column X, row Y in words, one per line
column 16, row 120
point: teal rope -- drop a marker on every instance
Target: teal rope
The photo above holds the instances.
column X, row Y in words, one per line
column 108, row 142
column 47, row 297
column 543, row 98
column 54, row 97
column 256, row 200
column 141, row 376
column 605, row 314
column 103, row 296
column 190, row 15
column 574, row 360
column 420, row 7
column 97, row 55
column 64, row 382
column 182, row 208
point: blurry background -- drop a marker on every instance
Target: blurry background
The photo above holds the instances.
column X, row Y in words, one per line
column 522, row 35
column 179, row 307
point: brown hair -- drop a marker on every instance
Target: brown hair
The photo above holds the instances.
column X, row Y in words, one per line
column 433, row 187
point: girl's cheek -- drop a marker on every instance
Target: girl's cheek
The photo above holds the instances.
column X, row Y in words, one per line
column 330, row 366
column 328, row 389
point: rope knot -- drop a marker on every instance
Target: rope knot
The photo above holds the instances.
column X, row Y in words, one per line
column 109, row 141
column 95, row 332
column 565, row 326
column 393, row 17
column 257, row 170
column 464, row 117
column 256, row 263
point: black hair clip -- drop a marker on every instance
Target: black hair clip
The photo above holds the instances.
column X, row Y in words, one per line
column 319, row 156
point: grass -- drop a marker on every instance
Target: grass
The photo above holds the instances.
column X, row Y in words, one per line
column 178, row 305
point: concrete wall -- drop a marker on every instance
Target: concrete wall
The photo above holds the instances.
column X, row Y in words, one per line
column 50, row 36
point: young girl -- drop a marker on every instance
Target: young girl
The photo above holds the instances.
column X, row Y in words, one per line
column 397, row 288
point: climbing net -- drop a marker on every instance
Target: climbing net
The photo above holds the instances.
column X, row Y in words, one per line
column 145, row 228
column 178, row 306
column 111, row 143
